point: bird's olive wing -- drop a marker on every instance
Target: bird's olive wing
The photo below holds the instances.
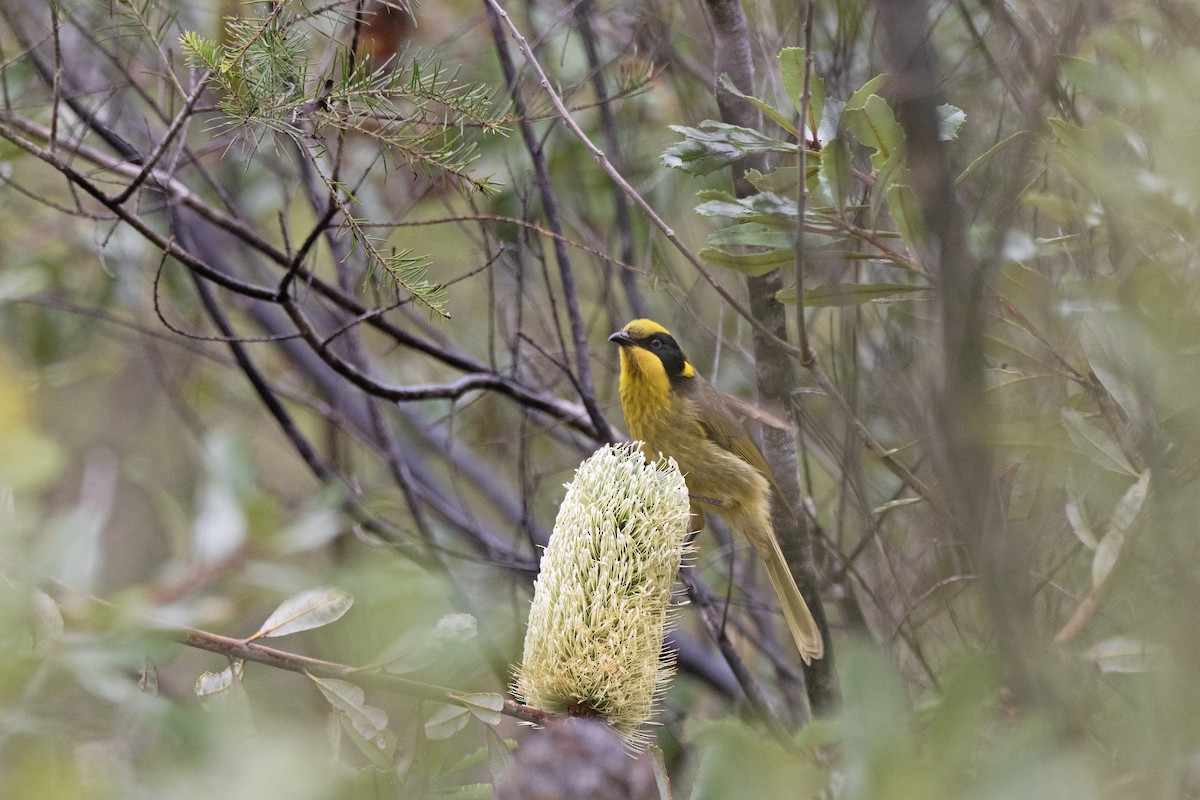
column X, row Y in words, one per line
column 723, row 428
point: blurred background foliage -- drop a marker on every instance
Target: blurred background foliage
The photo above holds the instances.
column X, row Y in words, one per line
column 146, row 485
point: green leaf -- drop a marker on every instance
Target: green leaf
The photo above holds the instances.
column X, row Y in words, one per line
column 850, row 294
column 1122, row 654
column 901, row 503
column 751, row 264
column 950, row 121
column 906, row 212
column 1094, row 443
column 791, row 72
column 446, row 721
column 311, row 608
column 380, row 751
column 1119, row 525
column 1079, row 525
column 224, row 691
column 837, row 170
column 735, row 761
column 783, row 181
column 1130, row 504
column 871, row 87
column 751, row 234
column 318, row 525
column 991, row 153
column 28, row 459
column 766, row 108
column 715, row 145
column 485, row 707
column 765, row 207
column 17, row 283
column 349, row 700
column 500, row 758
column 212, row 683
column 421, row 646
column 48, row 624
column 875, row 126
column 220, row 525
column 1105, row 557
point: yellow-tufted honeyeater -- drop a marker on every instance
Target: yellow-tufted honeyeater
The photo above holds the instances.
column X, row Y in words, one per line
column 674, row 411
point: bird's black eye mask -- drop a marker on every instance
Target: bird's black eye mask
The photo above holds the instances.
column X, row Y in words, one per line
column 667, row 349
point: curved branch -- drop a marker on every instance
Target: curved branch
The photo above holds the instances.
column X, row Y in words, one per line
column 306, row 665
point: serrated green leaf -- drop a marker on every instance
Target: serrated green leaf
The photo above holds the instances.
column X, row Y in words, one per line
column 765, row 207
column 723, row 208
column 752, row 264
column 791, row 73
column 309, row 609
column 850, row 294
column 950, row 121
column 715, row 145
column 766, row 108
column 446, row 721
column 780, row 181
column 1098, row 446
column 223, row 691
column 751, row 234
column 211, row 683
column 875, row 126
column 719, row 195
column 871, row 87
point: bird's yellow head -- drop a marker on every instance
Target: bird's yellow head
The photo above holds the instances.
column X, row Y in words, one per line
column 651, row 360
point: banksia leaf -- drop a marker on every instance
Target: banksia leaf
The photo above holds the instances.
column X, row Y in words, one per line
column 602, row 602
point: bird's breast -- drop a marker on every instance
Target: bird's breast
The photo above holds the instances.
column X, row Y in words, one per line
column 672, row 428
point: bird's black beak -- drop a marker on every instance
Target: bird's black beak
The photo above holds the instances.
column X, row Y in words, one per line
column 622, row 338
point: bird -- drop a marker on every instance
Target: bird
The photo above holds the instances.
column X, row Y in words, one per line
column 676, row 413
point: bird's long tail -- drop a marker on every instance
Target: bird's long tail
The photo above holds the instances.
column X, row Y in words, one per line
column 761, row 533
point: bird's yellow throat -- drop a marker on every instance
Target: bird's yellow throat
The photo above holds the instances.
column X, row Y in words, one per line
column 643, row 378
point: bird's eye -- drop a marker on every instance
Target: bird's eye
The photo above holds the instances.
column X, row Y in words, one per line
column 656, row 344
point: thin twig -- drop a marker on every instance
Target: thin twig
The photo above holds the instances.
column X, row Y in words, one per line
column 583, row 369
column 306, row 665
column 619, row 180
column 800, row 262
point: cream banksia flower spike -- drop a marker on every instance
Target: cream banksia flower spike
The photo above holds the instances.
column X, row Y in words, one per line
column 602, row 602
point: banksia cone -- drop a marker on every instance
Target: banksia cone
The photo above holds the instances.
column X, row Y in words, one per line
column 602, row 602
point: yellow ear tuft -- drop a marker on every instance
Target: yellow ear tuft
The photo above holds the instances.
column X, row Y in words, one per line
column 687, row 371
